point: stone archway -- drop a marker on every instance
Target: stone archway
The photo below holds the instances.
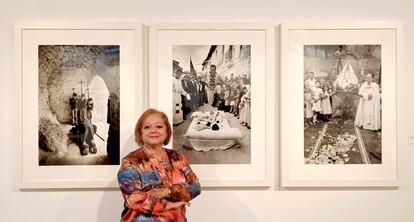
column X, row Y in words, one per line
column 64, row 70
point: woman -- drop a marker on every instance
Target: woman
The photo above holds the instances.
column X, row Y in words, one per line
column 156, row 182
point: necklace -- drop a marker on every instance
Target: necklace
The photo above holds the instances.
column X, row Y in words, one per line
column 159, row 158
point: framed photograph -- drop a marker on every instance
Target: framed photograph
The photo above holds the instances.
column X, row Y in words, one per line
column 338, row 105
column 79, row 89
column 212, row 80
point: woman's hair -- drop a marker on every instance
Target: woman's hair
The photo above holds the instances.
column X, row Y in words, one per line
column 140, row 123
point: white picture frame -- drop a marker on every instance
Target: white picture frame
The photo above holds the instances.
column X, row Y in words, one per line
column 294, row 172
column 163, row 37
column 29, row 37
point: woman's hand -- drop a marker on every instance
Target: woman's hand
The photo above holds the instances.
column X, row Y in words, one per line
column 172, row 205
column 159, row 192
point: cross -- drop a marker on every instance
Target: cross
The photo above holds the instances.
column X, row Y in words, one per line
column 73, row 90
column 81, row 82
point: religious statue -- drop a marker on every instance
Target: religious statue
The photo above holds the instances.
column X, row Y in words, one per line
column 346, row 78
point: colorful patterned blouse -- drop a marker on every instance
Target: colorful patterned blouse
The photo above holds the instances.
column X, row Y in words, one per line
column 139, row 174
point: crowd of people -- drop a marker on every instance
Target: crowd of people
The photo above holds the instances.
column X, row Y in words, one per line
column 233, row 95
column 229, row 94
column 190, row 92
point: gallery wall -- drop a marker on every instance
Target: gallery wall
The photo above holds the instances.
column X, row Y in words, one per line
column 271, row 204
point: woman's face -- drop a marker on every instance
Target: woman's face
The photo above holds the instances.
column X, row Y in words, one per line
column 154, row 130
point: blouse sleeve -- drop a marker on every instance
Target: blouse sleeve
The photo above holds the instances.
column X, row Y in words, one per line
column 190, row 188
column 129, row 179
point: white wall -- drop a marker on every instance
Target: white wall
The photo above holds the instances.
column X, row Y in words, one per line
column 212, row 205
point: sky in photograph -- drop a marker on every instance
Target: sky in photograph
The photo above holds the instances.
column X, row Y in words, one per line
column 197, row 53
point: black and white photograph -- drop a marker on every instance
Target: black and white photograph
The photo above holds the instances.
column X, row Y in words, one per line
column 342, row 104
column 79, row 104
column 212, row 103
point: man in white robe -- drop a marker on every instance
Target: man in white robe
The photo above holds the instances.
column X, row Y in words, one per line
column 177, row 92
column 368, row 114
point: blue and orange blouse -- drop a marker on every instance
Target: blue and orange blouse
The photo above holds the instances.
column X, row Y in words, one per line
column 138, row 174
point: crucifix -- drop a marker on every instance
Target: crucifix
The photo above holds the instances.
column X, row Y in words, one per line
column 81, row 83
